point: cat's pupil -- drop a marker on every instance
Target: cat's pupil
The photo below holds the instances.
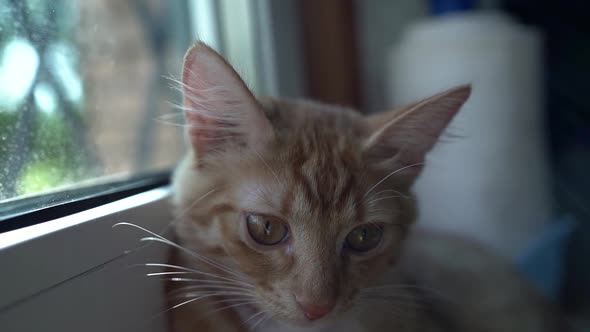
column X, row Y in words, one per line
column 363, row 235
column 267, row 227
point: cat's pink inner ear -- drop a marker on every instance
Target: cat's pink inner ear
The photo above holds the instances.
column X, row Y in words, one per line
column 220, row 110
column 403, row 137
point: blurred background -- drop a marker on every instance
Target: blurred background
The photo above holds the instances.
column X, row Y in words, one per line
column 87, row 97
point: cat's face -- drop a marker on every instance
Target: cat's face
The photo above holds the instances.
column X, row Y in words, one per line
column 302, row 223
column 308, row 204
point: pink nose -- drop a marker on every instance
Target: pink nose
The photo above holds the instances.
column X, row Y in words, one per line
column 313, row 312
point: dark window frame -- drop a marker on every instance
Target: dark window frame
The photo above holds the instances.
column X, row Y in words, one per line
column 34, row 210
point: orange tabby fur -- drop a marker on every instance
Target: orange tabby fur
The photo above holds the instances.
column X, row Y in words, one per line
column 324, row 170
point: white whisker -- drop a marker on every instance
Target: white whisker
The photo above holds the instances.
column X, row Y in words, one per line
column 193, row 204
column 199, row 298
column 378, row 194
column 391, row 190
column 263, row 319
column 207, row 287
column 251, row 317
column 231, row 306
column 383, row 198
column 184, row 291
column 193, row 110
column 215, row 293
column 169, row 265
column 237, row 282
column 206, row 260
column 389, row 175
column 274, row 174
column 170, row 123
column 227, row 280
column 167, row 273
column 162, row 239
column 208, row 281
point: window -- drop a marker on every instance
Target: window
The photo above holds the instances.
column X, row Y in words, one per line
column 88, row 93
column 82, row 88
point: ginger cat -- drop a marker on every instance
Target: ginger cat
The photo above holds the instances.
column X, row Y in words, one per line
column 296, row 216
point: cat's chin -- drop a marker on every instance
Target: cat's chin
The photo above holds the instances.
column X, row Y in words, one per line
column 252, row 310
column 306, row 324
column 323, row 324
column 289, row 323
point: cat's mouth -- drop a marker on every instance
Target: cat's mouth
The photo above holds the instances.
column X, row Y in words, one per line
column 257, row 315
column 302, row 320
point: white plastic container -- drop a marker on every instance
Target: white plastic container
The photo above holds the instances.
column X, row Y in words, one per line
column 491, row 182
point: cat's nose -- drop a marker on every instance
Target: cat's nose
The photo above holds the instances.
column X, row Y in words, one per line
column 315, row 311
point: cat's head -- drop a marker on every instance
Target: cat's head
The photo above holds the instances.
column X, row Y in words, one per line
column 308, row 203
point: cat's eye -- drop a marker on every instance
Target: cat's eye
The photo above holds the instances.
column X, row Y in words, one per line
column 364, row 238
column 266, row 230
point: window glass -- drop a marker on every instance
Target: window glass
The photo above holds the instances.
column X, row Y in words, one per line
column 85, row 93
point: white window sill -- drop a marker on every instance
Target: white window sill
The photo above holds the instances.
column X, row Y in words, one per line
column 77, row 273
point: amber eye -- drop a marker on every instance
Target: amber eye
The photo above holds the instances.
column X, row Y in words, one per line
column 265, row 230
column 364, row 238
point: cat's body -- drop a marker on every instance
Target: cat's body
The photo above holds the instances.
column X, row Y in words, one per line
column 296, row 216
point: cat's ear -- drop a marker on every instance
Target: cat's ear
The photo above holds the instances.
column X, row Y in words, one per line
column 221, row 113
column 400, row 139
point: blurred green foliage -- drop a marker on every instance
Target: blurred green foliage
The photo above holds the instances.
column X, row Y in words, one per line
column 53, row 161
column 51, row 155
